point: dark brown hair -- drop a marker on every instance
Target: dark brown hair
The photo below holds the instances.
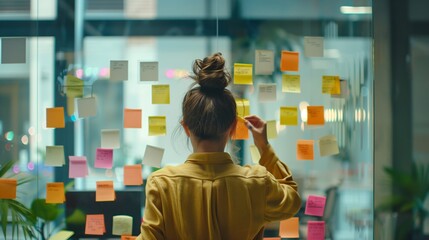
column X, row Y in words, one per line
column 209, row 109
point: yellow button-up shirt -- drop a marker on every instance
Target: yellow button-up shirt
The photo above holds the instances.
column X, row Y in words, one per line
column 210, row 197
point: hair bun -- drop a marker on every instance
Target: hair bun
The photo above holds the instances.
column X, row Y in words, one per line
column 210, row 73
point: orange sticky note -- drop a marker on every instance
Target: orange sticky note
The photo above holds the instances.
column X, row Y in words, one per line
column 104, row 191
column 305, row 150
column 241, row 130
column 133, row 175
column 8, row 188
column 95, row 224
column 289, row 61
column 289, row 228
column 289, row 116
column 315, row 115
column 55, row 117
column 123, row 237
column 132, row 118
column 55, row 192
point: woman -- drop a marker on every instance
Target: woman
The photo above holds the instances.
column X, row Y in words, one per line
column 210, row 197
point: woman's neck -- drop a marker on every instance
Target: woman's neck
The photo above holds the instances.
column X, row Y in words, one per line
column 208, row 145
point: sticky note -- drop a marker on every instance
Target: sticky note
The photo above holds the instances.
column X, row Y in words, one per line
column 122, row 225
column 305, row 149
column 267, row 92
column 289, row 115
column 272, row 129
column 104, row 191
column 264, row 62
column 289, row 228
column 86, row 107
column 254, row 153
column 13, row 50
column 118, row 70
column 157, row 126
column 95, row 224
column 161, row 94
column 315, row 205
column 62, row 235
column 55, row 117
column 125, row 237
column 132, row 118
column 55, row 192
column 328, row 145
column 291, row 83
column 331, row 85
column 313, row 46
column 103, row 158
column 315, row 115
column 8, row 188
column 316, row 230
column 73, row 86
column 243, row 107
column 153, row 156
column 289, row 61
column 55, row 156
column 148, row 71
column 344, row 90
column 110, row 138
column 243, row 73
column 78, row 167
column 133, row 175
column 241, row 131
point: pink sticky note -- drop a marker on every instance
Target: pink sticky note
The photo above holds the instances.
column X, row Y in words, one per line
column 315, row 205
column 103, row 158
column 316, row 230
column 78, row 166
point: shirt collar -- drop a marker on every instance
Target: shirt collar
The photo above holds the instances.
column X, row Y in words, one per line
column 210, row 158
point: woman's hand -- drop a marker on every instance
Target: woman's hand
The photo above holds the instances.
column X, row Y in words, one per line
column 258, row 127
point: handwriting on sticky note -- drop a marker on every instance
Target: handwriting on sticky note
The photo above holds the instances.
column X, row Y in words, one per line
column 55, row 156
column 55, row 192
column 133, row 175
column 55, row 117
column 331, row 85
column 157, row 126
column 149, row 71
column 110, row 138
column 153, row 156
column 272, row 129
column 73, row 86
column 315, row 115
column 62, row 235
column 264, row 62
column 267, row 92
column 289, row 115
column 291, row 83
column 254, row 153
column 122, row 225
column 289, row 228
column 313, row 46
column 243, row 73
column 243, row 107
column 104, row 191
column 103, row 158
column 328, row 145
column 118, row 70
column 289, row 61
column 86, row 107
column 95, row 224
column 132, row 118
column 241, row 131
column 8, row 188
column 161, row 94
column 316, row 230
column 305, row 149
column 78, row 166
column 315, row 205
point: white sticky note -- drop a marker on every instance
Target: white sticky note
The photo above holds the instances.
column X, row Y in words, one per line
column 264, row 62
column 13, row 50
column 254, row 153
column 149, row 71
column 267, row 92
column 86, row 107
column 153, row 156
column 118, row 70
column 62, row 235
column 55, row 156
column 313, row 46
column 272, row 129
column 122, row 225
column 328, row 145
column 110, row 138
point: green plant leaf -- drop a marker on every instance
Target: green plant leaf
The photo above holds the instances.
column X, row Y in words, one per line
column 45, row 211
column 4, row 212
column 6, row 167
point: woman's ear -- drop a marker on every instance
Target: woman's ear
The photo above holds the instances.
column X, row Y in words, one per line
column 188, row 133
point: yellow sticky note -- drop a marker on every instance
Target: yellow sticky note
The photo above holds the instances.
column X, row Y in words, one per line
column 62, row 235
column 55, row 192
column 132, row 118
column 55, row 117
column 289, row 61
column 315, row 115
column 272, row 129
column 8, row 188
column 243, row 73
column 73, row 86
column 243, row 107
column 161, row 94
column 133, row 175
column 95, row 224
column 289, row 115
column 254, row 154
column 291, row 83
column 289, row 228
column 157, row 126
column 331, row 85
column 104, row 191
column 122, row 225
column 241, row 130
column 305, row 150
